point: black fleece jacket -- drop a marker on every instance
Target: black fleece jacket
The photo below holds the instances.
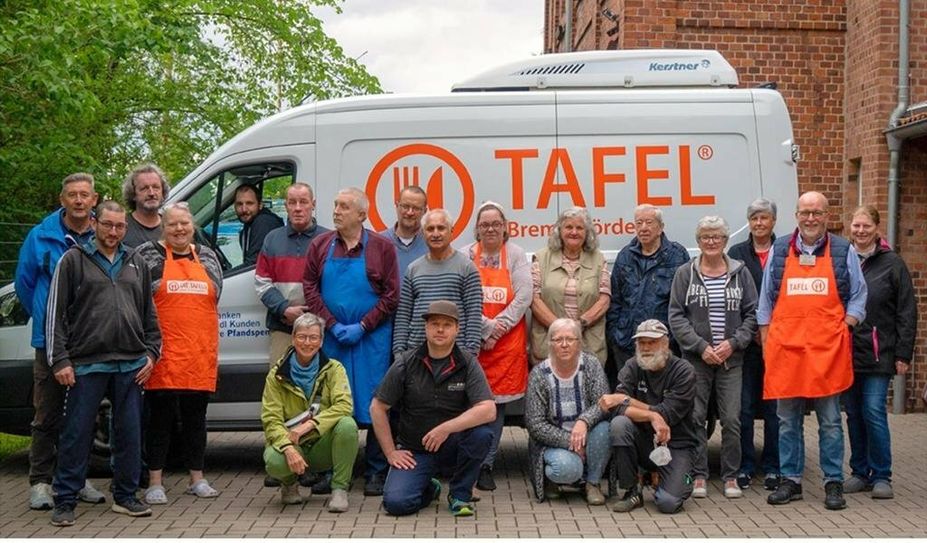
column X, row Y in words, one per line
column 95, row 319
column 888, row 332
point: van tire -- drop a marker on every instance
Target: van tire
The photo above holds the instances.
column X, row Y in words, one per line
column 100, row 451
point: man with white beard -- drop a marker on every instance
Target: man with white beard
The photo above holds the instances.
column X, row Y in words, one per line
column 652, row 405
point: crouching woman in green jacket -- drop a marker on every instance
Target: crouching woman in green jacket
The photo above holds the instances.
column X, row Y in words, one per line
column 306, row 413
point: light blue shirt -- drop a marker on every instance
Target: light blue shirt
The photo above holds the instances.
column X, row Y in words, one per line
column 856, row 306
column 113, row 366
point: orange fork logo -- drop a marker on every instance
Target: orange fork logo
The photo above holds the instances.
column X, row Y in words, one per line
column 404, row 176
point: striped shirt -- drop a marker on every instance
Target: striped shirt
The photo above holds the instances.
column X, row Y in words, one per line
column 716, row 306
column 454, row 278
column 566, row 396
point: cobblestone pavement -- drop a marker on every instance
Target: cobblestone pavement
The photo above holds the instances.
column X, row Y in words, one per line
column 247, row 509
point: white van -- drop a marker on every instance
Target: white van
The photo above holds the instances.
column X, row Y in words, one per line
column 607, row 130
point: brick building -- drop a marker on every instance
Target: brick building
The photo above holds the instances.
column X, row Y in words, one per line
column 836, row 65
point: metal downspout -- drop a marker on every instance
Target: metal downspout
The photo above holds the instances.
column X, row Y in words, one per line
column 894, row 165
column 568, row 27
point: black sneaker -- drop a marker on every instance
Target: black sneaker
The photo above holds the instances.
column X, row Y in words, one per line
column 485, row 480
column 133, row 508
column 833, row 498
column 631, row 500
column 788, row 491
column 63, row 515
column 374, row 486
column 324, row 485
column 270, row 482
column 771, row 482
column 743, row 481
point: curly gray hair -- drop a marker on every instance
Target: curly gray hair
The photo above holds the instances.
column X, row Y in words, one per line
column 591, row 243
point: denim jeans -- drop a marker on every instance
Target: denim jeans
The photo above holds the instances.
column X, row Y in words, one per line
column 727, row 384
column 867, row 424
column 81, row 404
column 751, row 401
column 408, row 490
column 374, row 459
column 566, row 467
column 497, row 427
column 792, row 438
column 47, row 399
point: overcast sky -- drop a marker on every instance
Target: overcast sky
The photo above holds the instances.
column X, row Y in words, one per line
column 427, row 45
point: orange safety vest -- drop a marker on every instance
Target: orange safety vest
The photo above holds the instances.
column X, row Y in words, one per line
column 807, row 352
column 186, row 305
column 506, row 365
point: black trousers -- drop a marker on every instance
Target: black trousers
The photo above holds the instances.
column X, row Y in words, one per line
column 164, row 407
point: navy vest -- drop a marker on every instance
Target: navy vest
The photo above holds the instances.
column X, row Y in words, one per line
column 785, row 246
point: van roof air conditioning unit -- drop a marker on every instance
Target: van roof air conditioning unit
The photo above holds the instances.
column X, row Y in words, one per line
column 588, row 70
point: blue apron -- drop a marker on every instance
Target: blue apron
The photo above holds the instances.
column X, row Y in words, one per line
column 348, row 295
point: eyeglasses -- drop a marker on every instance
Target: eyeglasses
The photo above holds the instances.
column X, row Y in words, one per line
column 406, row 208
column 712, row 238
column 567, row 341
column 816, row 213
column 495, row 225
column 306, row 338
column 107, row 225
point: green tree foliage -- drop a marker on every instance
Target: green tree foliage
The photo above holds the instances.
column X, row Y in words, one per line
column 88, row 85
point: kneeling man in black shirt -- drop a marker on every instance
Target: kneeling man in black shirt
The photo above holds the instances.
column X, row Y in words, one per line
column 654, row 399
column 445, row 406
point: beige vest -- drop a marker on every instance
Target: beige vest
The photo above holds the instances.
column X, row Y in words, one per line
column 553, row 282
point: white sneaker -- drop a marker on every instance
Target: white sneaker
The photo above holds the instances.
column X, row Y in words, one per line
column 732, row 489
column 338, row 503
column 88, row 494
column 289, row 494
column 700, row 488
column 41, row 497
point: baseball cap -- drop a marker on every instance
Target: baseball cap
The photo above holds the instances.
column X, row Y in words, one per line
column 651, row 328
column 444, row 308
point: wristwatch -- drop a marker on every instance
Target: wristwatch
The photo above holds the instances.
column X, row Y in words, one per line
column 626, row 401
column 583, row 323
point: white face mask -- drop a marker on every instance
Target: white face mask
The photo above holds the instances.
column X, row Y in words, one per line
column 661, row 455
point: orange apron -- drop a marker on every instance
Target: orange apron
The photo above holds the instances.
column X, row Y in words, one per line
column 186, row 306
column 506, row 365
column 808, row 352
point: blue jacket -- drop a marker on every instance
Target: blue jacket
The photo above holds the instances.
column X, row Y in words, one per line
column 641, row 288
column 38, row 256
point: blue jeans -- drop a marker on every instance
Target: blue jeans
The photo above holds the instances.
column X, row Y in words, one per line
column 375, row 460
column 565, row 467
column 81, row 405
column 751, row 401
column 408, row 490
column 497, row 427
column 867, row 424
column 792, row 438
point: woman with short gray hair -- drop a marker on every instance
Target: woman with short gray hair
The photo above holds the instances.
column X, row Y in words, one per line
column 306, row 413
column 571, row 279
column 568, row 434
column 712, row 315
column 761, row 217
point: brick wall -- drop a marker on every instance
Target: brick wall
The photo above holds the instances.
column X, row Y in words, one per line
column 835, row 62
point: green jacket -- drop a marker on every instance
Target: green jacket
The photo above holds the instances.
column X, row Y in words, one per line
column 283, row 400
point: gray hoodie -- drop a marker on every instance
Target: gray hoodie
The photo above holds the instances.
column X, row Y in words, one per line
column 688, row 310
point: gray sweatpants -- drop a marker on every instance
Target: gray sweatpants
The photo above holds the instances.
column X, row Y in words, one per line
column 727, row 384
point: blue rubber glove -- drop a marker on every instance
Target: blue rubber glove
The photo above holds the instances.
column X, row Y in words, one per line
column 350, row 334
column 337, row 329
